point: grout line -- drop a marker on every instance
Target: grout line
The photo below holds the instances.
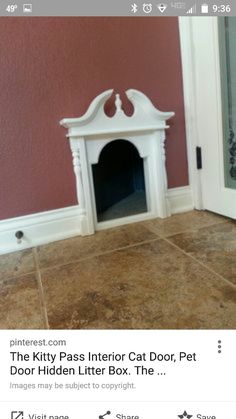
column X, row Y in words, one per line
column 107, row 252
column 16, row 276
column 202, row 264
column 158, row 237
column 191, row 230
column 40, row 288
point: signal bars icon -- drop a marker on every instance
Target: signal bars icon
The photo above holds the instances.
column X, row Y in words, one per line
column 192, row 10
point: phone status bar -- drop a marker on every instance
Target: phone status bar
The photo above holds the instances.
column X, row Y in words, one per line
column 117, row 8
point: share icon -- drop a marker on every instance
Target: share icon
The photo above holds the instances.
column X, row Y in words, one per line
column 102, row 416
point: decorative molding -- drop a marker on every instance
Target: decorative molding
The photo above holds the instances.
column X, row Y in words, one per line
column 96, row 122
column 78, row 174
column 145, row 129
column 186, row 29
column 180, row 199
column 50, row 226
column 40, row 228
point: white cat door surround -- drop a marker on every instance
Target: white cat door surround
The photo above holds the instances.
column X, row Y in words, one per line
column 119, row 162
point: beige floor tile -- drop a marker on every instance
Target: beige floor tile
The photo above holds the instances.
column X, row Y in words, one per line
column 214, row 246
column 150, row 286
column 77, row 248
column 20, row 303
column 15, row 264
column 183, row 222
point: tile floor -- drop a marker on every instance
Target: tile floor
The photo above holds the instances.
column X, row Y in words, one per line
column 175, row 273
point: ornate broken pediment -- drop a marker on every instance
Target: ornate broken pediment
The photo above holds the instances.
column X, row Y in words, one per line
column 95, row 121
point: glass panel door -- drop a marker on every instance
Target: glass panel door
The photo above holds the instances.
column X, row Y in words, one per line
column 227, row 44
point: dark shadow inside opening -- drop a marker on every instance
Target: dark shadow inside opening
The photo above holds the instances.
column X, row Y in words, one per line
column 119, row 182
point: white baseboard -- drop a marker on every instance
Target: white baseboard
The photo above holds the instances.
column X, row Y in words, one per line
column 49, row 226
column 180, row 199
column 40, row 228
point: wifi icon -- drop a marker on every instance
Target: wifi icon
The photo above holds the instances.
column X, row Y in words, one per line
column 192, row 10
column 162, row 7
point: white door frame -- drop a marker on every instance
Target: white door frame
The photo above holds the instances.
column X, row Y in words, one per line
column 202, row 93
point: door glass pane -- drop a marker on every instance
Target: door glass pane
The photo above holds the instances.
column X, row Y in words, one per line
column 227, row 42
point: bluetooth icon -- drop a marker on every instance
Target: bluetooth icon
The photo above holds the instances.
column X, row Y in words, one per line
column 134, row 8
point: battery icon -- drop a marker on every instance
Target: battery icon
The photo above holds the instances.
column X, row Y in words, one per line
column 204, row 8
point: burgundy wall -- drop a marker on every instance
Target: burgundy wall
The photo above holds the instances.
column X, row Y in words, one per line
column 52, row 68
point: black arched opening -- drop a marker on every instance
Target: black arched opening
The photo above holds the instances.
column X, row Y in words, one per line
column 119, row 183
